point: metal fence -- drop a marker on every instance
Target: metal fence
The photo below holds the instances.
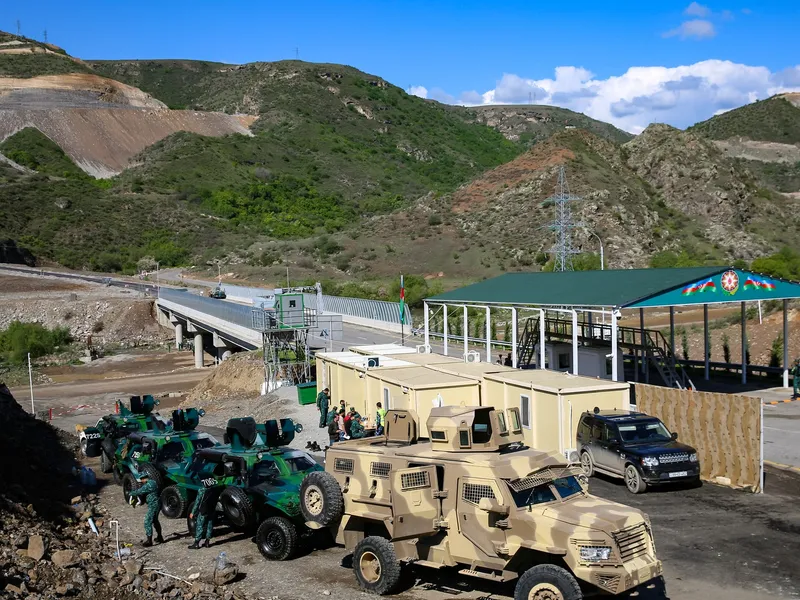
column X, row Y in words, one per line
column 377, row 310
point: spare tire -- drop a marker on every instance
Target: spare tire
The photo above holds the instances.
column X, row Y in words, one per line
column 237, row 507
column 150, row 470
column 174, row 502
column 321, row 499
column 106, row 464
column 129, row 484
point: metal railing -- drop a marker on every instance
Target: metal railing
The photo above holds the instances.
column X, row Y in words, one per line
column 239, row 314
column 376, row 310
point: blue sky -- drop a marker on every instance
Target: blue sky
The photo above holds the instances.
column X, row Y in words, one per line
column 470, row 52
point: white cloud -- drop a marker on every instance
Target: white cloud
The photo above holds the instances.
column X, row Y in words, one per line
column 698, row 29
column 418, row 90
column 679, row 96
column 697, row 10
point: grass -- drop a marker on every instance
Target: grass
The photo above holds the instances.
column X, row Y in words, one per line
column 772, row 120
column 34, row 150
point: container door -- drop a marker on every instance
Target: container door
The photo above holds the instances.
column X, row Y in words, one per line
column 414, row 508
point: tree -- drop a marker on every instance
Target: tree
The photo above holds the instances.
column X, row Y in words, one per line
column 685, row 345
column 146, row 264
column 776, row 351
column 726, row 348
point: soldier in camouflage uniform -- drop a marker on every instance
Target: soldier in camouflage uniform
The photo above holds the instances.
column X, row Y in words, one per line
column 203, row 511
column 151, row 493
column 796, row 376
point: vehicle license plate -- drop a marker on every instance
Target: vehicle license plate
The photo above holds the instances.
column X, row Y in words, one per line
column 679, row 474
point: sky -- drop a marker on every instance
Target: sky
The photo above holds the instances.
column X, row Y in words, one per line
column 627, row 63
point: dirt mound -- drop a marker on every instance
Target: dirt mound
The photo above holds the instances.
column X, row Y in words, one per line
column 102, row 141
column 242, row 374
column 76, row 90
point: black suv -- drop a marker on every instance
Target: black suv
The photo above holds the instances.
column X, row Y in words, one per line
column 636, row 447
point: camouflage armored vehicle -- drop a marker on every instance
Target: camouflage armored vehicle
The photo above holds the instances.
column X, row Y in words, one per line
column 261, row 477
column 105, row 437
column 473, row 496
column 156, row 452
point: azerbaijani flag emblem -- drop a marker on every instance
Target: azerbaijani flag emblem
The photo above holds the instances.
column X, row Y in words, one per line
column 755, row 283
column 729, row 282
column 707, row 285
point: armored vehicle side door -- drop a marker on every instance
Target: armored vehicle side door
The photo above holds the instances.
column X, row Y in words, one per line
column 414, row 508
column 481, row 527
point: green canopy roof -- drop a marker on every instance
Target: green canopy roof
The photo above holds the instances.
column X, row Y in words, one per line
column 624, row 288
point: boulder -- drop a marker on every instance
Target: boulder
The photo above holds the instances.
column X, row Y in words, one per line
column 66, row 558
column 36, row 547
column 133, row 567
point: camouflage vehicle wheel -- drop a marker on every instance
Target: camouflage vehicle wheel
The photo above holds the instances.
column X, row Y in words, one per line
column 277, row 538
column 376, row 566
column 174, row 502
column 237, row 507
column 547, row 582
column 106, row 463
column 129, row 484
column 150, row 471
column 321, row 499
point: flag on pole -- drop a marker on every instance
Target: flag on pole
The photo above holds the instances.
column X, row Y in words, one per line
column 402, row 301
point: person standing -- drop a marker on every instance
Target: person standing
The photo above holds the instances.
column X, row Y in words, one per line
column 341, row 426
column 150, row 491
column 323, row 399
column 380, row 422
column 204, row 511
column 796, row 376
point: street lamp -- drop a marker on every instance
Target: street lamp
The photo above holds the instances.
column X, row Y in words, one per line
column 158, row 287
column 601, row 248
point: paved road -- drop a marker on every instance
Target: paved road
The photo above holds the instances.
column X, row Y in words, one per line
column 782, row 433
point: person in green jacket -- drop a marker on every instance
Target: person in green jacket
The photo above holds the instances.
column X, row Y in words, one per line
column 331, row 415
column 151, row 494
column 323, row 398
column 356, row 428
column 796, row 376
column 203, row 511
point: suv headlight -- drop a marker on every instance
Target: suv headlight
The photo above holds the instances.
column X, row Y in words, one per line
column 595, row 553
column 650, row 461
column 693, row 457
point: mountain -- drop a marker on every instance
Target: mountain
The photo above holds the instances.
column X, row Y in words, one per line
column 763, row 138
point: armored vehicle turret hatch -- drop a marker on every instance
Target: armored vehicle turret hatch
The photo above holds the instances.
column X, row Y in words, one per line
column 474, row 496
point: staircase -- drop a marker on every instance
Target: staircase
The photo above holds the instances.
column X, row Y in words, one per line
column 660, row 356
column 526, row 349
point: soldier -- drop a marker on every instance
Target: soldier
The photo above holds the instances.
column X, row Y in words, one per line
column 796, row 376
column 323, row 398
column 356, row 427
column 331, row 415
column 150, row 491
column 204, row 510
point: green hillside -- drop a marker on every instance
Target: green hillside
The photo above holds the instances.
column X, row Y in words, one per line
column 33, row 58
column 772, row 120
column 34, row 150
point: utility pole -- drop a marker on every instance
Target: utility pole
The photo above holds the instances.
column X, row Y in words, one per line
column 19, row 28
column 30, row 378
column 287, row 279
column 563, row 224
column 45, row 36
column 297, row 53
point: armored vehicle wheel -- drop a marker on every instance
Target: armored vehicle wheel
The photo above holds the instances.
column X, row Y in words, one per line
column 153, row 473
column 84, row 443
column 117, row 475
column 277, row 538
column 587, row 464
column 547, row 582
column 129, row 484
column 634, row 481
column 376, row 566
column 321, row 498
column 237, row 507
column 106, row 465
column 173, row 502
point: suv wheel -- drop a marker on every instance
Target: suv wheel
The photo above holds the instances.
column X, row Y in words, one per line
column 547, row 582
column 276, row 538
column 321, row 499
column 587, row 464
column 375, row 565
column 634, row 481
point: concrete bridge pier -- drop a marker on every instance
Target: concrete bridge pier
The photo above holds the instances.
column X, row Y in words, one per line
column 198, row 344
column 224, row 349
column 178, row 335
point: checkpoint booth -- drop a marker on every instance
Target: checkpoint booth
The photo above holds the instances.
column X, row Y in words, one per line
column 551, row 403
column 420, row 389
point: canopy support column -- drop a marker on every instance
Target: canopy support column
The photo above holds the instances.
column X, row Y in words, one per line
column 445, row 328
column 488, row 335
column 614, row 370
column 427, row 323
column 706, row 342
column 574, row 342
column 786, row 343
column 514, row 337
column 672, row 334
column 744, row 343
column 466, row 331
column 542, row 349
column 643, row 350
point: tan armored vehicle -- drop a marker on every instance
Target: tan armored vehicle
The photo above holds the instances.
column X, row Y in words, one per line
column 475, row 497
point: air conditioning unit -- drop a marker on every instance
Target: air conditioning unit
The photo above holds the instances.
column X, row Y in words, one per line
column 571, row 455
column 423, row 349
column 472, row 357
column 372, row 361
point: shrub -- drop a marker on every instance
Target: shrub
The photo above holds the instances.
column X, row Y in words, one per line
column 20, row 338
column 97, row 327
column 776, row 351
column 434, row 220
column 726, row 348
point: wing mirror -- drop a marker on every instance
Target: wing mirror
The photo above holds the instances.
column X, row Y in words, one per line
column 674, row 435
column 492, row 506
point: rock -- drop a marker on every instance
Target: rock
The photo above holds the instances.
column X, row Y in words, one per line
column 13, row 589
column 193, row 576
column 127, row 580
column 66, row 558
column 36, row 547
column 76, row 500
column 86, row 555
column 79, row 578
column 64, row 589
column 132, row 567
column 198, row 587
column 175, row 592
column 137, row 582
column 108, row 571
column 92, row 580
column 226, row 575
column 328, row 592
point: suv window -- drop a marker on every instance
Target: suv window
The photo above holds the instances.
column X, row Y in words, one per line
column 585, row 428
column 644, row 431
column 610, row 432
column 598, row 431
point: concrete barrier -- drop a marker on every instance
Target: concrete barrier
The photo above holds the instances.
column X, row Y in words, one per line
column 726, row 430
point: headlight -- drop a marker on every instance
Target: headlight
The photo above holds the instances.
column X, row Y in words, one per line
column 650, row 461
column 693, row 457
column 595, row 553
